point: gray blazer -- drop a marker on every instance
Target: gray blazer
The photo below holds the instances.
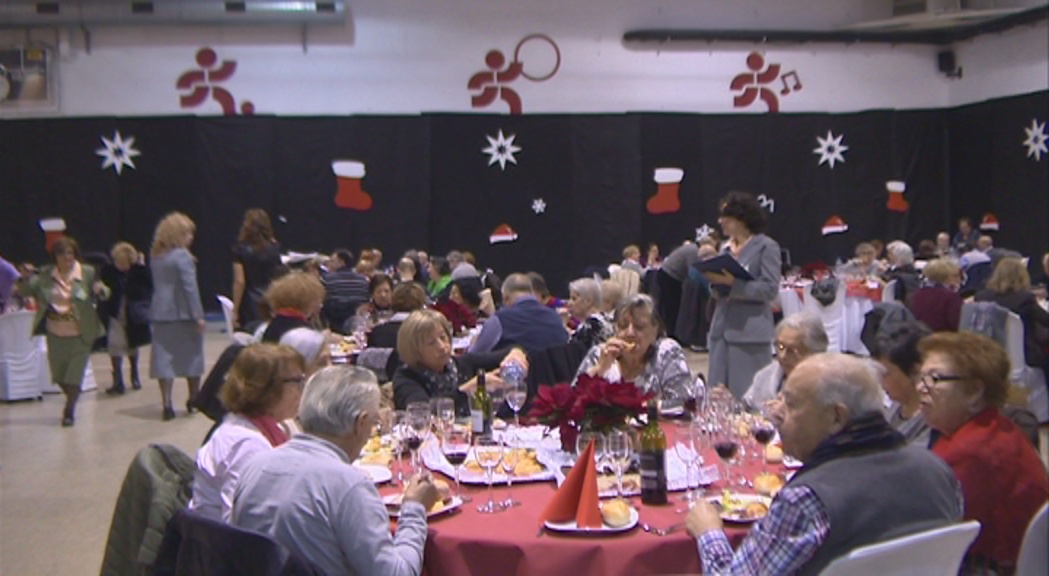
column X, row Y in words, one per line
column 175, row 294
column 745, row 315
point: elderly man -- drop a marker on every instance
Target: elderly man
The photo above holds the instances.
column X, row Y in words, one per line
column 307, row 496
column 861, row 482
column 344, row 289
column 522, row 321
column 798, row 336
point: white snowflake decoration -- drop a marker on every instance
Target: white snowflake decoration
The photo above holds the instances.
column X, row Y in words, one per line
column 702, row 232
column 1036, row 140
column 538, row 206
column 831, row 149
column 501, row 149
column 117, row 153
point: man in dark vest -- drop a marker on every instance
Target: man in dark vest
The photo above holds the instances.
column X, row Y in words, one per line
column 860, row 484
column 522, row 321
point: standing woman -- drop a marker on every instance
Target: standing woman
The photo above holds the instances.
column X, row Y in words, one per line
column 256, row 256
column 741, row 331
column 66, row 314
column 176, row 313
column 128, row 312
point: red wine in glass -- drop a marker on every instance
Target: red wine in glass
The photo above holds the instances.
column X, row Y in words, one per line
column 690, row 405
column 413, row 443
column 456, row 458
column 726, row 449
column 764, row 434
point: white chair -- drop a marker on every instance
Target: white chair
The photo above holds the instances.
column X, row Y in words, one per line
column 628, row 280
column 888, row 292
column 21, row 361
column 242, row 338
column 1034, row 554
column 832, row 316
column 937, row 552
column 1030, row 378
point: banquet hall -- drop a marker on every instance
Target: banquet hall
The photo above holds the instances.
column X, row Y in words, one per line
column 539, row 136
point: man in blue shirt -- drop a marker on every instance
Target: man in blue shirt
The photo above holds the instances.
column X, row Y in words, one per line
column 522, row 321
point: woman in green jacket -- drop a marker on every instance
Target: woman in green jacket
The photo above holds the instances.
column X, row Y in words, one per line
column 65, row 293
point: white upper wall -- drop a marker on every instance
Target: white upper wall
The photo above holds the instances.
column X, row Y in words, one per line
column 410, row 56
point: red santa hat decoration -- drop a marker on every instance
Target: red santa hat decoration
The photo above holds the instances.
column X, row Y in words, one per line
column 989, row 223
column 502, row 233
column 834, row 225
column 54, row 228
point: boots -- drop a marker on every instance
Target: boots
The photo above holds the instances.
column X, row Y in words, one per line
column 136, row 384
column 194, row 388
column 118, row 376
column 72, row 394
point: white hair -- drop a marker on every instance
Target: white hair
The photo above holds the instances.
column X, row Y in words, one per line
column 901, row 252
column 847, row 380
column 587, row 289
column 811, row 328
column 335, row 397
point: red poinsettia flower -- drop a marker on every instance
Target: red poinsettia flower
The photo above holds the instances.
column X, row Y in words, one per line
column 553, row 403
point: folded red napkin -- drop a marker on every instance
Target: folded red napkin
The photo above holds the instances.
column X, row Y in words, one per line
column 577, row 496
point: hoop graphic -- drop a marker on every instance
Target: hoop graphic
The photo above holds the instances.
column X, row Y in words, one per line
column 557, row 55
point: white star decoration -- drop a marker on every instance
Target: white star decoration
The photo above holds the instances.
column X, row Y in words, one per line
column 1036, row 139
column 830, row 149
column 117, row 152
column 501, row 149
column 538, row 206
column 702, row 232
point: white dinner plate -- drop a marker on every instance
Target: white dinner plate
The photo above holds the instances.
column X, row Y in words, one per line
column 572, row 528
column 393, row 504
column 734, row 516
column 791, row 462
column 378, row 474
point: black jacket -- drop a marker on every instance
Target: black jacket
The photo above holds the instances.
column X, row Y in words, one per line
column 410, row 385
column 136, row 286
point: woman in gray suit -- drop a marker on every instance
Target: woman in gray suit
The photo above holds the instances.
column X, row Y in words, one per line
column 175, row 312
column 741, row 332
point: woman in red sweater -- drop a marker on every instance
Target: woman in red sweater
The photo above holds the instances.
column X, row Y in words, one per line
column 964, row 381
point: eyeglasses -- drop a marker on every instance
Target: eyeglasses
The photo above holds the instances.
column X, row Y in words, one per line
column 929, row 380
column 782, row 349
column 299, row 380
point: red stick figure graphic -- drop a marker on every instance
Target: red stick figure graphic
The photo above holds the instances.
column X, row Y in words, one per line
column 490, row 82
column 751, row 83
column 201, row 82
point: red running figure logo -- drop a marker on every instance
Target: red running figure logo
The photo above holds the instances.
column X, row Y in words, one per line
column 491, row 84
column 752, row 85
column 201, row 84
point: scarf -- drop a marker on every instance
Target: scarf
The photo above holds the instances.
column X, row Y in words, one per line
column 443, row 383
column 867, row 433
column 269, row 428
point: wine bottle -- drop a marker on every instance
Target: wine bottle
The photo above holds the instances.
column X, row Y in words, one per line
column 481, row 407
column 653, row 460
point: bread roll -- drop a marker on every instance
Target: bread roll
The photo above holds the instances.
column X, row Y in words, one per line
column 755, row 510
column 768, row 484
column 444, row 490
column 773, row 454
column 616, row 513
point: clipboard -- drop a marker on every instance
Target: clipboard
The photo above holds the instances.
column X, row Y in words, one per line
column 723, row 262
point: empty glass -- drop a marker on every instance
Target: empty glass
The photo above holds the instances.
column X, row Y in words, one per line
column 398, row 431
column 418, row 426
column 489, row 453
column 511, row 454
column 688, row 444
column 620, row 451
column 445, row 412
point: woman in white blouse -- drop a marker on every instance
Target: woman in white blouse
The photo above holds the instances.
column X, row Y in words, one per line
column 263, row 387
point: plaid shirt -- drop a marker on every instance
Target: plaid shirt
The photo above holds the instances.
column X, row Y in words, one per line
column 781, row 543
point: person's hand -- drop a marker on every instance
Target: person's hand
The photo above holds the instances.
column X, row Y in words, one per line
column 703, row 517
column 611, row 351
column 421, row 489
column 516, row 356
column 201, row 326
column 26, row 269
column 98, row 287
column 722, row 278
column 491, row 381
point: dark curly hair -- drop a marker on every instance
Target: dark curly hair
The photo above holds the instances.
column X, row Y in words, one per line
column 744, row 207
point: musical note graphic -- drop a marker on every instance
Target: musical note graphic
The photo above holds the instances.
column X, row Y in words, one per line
column 797, row 82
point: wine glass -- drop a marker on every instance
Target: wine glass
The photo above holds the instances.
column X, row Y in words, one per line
column 620, row 451
column 763, row 431
column 395, row 427
column 726, row 445
column 455, row 445
column 497, row 394
column 688, row 442
column 513, row 374
column 418, row 426
column 445, row 412
column 696, row 394
column 489, row 453
column 511, row 454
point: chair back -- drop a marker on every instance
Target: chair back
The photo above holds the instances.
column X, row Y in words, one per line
column 1014, row 342
column 832, row 315
column 888, row 293
column 1034, row 553
column 22, row 363
column 936, row 552
column 987, row 318
column 227, row 316
column 629, row 281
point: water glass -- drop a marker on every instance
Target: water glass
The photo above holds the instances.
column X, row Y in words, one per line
column 489, row 453
column 445, row 412
column 513, row 375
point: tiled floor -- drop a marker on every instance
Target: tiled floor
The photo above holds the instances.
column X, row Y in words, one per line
column 58, row 485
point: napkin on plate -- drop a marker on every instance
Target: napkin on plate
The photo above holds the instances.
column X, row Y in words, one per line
column 577, row 497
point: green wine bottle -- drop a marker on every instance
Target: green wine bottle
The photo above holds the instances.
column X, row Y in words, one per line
column 481, row 407
column 653, row 460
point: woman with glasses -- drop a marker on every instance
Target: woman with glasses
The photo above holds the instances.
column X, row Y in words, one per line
column 640, row 352
column 798, row 336
column 263, row 388
column 963, row 383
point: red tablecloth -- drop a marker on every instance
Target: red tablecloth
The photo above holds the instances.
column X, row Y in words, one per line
column 468, row 542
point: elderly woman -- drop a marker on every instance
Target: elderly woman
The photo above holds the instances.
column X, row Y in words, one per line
column 128, row 312
column 866, row 261
column 963, row 383
column 640, row 352
column 798, row 336
column 896, row 351
column 584, row 306
column 1010, row 287
column 938, row 304
column 64, row 294
column 424, row 344
column 295, row 300
column 741, row 330
column 901, row 269
column 407, row 298
column 256, row 258
column 263, row 388
column 377, row 308
column 175, row 312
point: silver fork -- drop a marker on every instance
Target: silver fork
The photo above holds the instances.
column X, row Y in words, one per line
column 662, row 531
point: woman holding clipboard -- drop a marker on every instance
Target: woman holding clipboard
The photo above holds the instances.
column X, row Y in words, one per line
column 744, row 281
